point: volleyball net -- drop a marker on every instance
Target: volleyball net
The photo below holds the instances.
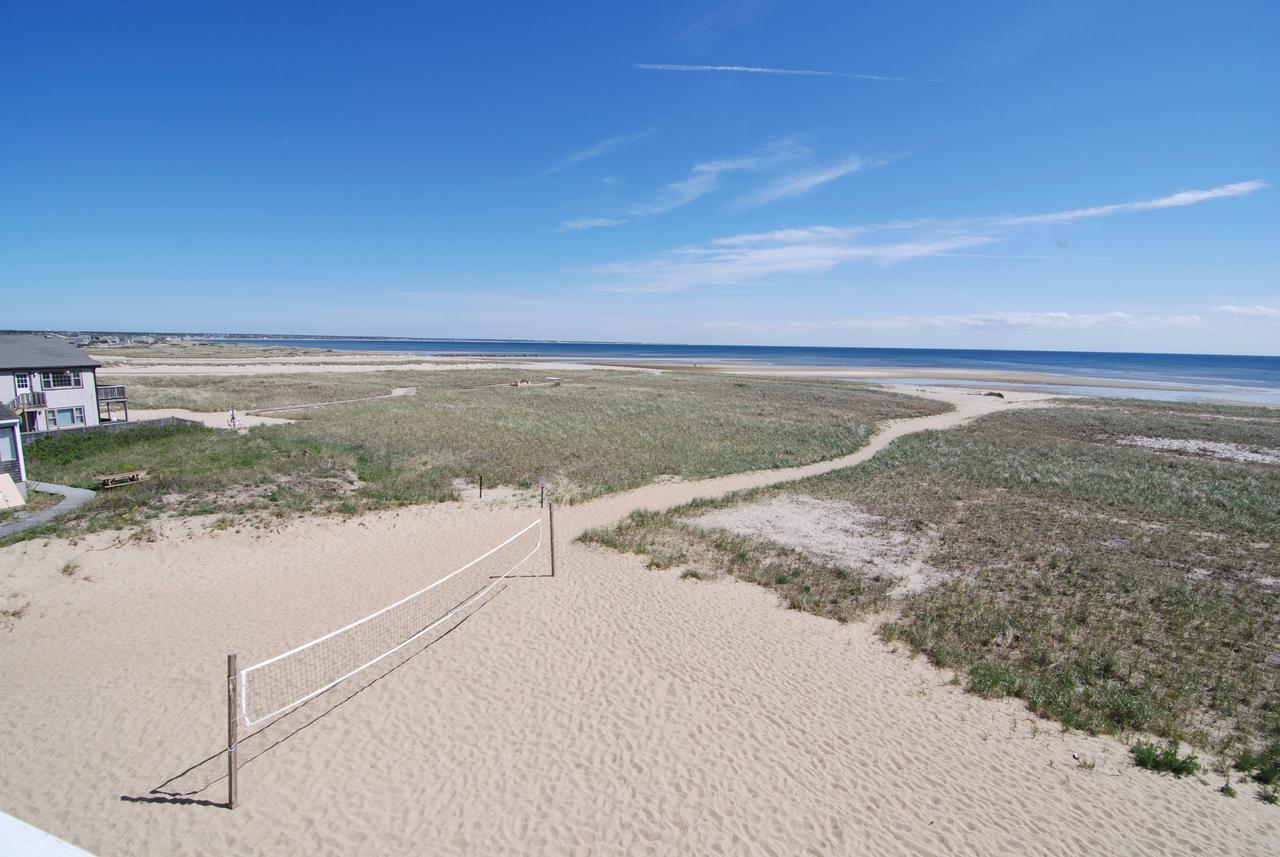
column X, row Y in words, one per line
column 280, row 684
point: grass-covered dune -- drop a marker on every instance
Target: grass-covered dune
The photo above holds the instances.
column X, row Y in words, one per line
column 589, row 434
column 1114, row 588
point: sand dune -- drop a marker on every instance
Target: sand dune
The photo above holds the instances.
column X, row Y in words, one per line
column 610, row 710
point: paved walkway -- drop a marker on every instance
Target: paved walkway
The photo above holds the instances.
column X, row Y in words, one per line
column 72, row 498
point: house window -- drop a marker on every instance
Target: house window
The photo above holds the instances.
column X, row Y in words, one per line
column 60, row 380
column 66, row 417
column 23, row 381
column 8, row 450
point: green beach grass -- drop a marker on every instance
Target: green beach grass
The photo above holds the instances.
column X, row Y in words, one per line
column 593, row 433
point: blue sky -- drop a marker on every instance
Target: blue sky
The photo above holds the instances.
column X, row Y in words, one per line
column 1025, row 175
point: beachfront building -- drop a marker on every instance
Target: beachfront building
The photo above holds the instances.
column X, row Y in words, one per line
column 50, row 385
column 11, row 461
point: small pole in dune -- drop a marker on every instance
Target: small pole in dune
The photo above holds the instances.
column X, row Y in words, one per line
column 542, row 491
column 482, row 486
column 551, row 520
column 233, row 756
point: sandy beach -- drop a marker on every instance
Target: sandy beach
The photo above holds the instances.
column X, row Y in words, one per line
column 612, row 709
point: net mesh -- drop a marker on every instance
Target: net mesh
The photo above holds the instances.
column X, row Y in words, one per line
column 276, row 685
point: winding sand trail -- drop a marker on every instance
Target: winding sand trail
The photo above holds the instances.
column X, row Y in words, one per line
column 967, row 405
column 610, row 710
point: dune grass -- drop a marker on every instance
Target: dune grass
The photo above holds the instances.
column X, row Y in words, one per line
column 1115, row 589
column 591, row 434
column 216, row 393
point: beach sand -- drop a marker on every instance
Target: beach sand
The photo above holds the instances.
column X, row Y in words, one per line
column 210, row 419
column 612, row 709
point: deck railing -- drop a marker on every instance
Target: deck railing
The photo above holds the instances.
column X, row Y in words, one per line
column 28, row 400
column 111, row 393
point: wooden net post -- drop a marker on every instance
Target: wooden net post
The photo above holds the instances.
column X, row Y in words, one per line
column 233, row 755
column 551, row 519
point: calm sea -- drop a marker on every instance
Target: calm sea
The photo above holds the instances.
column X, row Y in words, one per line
column 1171, row 376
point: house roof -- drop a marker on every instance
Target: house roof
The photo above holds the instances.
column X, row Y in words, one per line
column 7, row 416
column 41, row 352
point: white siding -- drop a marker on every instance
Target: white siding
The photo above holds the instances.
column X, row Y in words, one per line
column 84, row 396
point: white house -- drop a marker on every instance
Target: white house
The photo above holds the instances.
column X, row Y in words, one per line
column 50, row 384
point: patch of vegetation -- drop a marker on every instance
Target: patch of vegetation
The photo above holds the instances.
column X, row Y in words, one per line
column 218, row 393
column 595, row 433
column 1263, row 767
column 195, row 471
column 1164, row 759
column 12, row 613
column 1112, row 588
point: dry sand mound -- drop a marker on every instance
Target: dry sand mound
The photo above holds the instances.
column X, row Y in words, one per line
column 835, row 532
column 1221, row 450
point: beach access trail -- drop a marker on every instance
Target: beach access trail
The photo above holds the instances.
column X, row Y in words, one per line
column 612, row 709
column 968, row 405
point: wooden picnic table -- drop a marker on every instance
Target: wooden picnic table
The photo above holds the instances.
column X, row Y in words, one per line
column 115, row 480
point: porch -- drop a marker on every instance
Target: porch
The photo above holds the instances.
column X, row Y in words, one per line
column 112, row 399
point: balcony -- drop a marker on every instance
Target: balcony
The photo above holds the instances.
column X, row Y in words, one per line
column 29, row 401
column 111, row 393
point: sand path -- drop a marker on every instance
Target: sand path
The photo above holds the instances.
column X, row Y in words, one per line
column 967, row 406
column 610, row 710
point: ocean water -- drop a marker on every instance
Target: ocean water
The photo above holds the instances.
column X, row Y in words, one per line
column 1213, row 377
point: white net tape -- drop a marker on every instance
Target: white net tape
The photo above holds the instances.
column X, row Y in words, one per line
column 276, row 685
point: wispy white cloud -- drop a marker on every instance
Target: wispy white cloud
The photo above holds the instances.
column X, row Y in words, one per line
column 797, row 235
column 705, row 177
column 589, row 223
column 702, row 180
column 599, row 149
column 725, row 265
column 795, row 185
column 1005, row 321
column 1256, row 311
column 1186, row 197
column 816, row 250
column 798, row 72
